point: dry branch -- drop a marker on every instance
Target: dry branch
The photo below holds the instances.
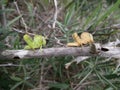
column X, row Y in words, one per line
column 48, row 52
column 107, row 50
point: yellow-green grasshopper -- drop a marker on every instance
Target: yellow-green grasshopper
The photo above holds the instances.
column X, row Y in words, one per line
column 37, row 42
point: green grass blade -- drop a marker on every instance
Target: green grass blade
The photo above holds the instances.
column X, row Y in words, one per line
column 16, row 85
column 109, row 11
column 14, row 20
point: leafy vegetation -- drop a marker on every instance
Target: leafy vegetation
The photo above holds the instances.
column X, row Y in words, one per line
column 37, row 17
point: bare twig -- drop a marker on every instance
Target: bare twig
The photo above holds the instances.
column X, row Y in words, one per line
column 77, row 60
column 55, row 15
column 41, row 76
column 114, row 26
column 9, row 64
column 22, row 32
column 18, row 10
column 3, row 16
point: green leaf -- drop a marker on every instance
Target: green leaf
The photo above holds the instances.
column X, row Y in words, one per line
column 16, row 78
column 59, row 85
column 110, row 88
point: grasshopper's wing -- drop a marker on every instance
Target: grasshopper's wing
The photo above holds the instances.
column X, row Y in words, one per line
column 37, row 41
